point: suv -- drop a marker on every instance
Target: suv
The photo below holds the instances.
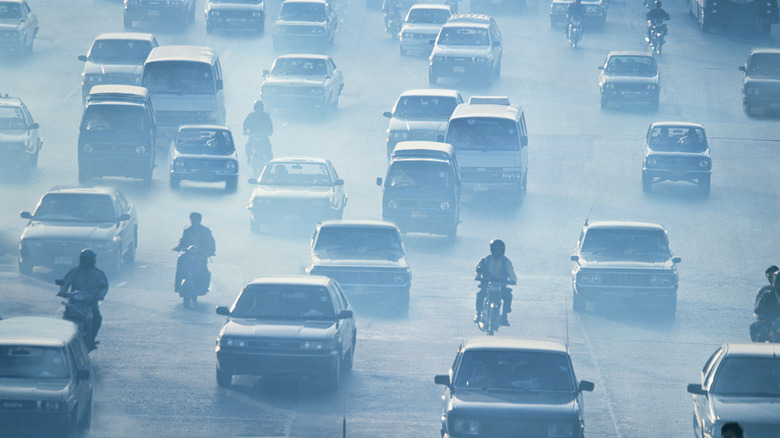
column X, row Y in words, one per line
column 115, row 58
column 630, row 77
column 306, row 23
column 468, row 46
column 18, row 26
column 19, row 139
column 204, row 153
column 676, row 151
column 422, row 188
column 761, row 82
column 595, row 12
column 67, row 220
column 503, row 386
column 423, row 22
column 622, row 260
column 181, row 12
column 235, row 14
column 420, row 115
column 289, row 326
column 117, row 134
column 45, row 377
column 367, row 259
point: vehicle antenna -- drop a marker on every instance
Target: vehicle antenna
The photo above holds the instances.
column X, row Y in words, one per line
column 589, row 212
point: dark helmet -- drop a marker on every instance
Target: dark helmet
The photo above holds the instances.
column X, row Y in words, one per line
column 87, row 258
column 657, row 4
column 259, row 105
column 497, row 247
column 771, row 274
column 196, row 218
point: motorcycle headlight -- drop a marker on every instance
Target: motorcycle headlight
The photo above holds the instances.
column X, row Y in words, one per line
column 228, row 341
column 465, row 426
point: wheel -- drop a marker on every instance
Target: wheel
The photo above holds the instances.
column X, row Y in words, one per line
column 704, row 184
column 333, row 377
column 34, row 160
column 349, row 359
column 186, row 299
column 452, row 233
column 604, row 102
column 28, row 49
column 261, row 29
column 498, row 70
column 490, row 77
column 403, row 303
column 577, row 303
column 334, row 104
column 255, row 226
column 654, row 103
column 191, row 16
column 174, row 182
column 524, row 184
column 231, row 184
column 748, row 109
column 432, row 79
column 25, row 268
column 553, row 22
column 703, row 23
column 647, row 182
column 224, row 379
column 128, row 22
column 86, row 421
column 277, row 45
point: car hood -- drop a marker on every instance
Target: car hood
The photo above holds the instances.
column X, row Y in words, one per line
column 292, row 81
column 418, row 125
column 755, row 79
column 615, row 79
column 107, row 68
column 281, row 22
column 678, row 154
column 69, row 230
column 432, row 29
column 174, row 102
column 278, row 329
column 515, row 404
column 31, row 389
column 460, row 51
column 285, row 192
column 363, row 260
column 747, row 409
column 234, row 7
column 13, row 136
column 176, row 154
column 639, row 261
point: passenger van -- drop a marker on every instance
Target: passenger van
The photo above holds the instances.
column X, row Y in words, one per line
column 186, row 87
column 422, row 188
column 490, row 139
column 117, row 134
column 45, row 377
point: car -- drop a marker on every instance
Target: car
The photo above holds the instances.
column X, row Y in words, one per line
column 624, row 261
column 595, row 12
column 308, row 24
column 500, row 6
column 676, row 151
column 235, row 15
column 287, row 327
column 204, row 153
column 18, row 26
column 46, row 377
column 420, row 114
column 506, row 386
column 20, row 142
column 115, row 58
column 761, row 81
column 366, row 257
column 307, row 189
column 422, row 24
column 309, row 82
column 469, row 46
column 630, row 77
column 70, row 219
column 739, row 382
column 178, row 12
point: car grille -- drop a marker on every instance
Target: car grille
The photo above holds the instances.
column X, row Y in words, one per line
column 459, row 59
column 675, row 163
column 357, row 276
column 631, row 279
column 291, row 91
column 9, row 35
column 233, row 15
column 298, row 30
column 489, row 175
column 18, row 405
column 271, row 345
column 629, row 87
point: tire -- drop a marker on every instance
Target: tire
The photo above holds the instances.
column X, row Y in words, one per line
column 452, row 233
column 553, row 22
column 647, row 183
column 748, row 110
column 333, row 377
column 128, row 22
column 432, row 79
column 224, row 379
column 231, row 184
column 655, row 102
column 403, row 303
column 703, row 24
column 86, row 421
column 403, row 51
column 174, row 182
column 704, row 184
column 498, row 70
column 28, row 49
column 25, row 268
column 524, row 184
column 349, row 360
column 277, row 45
column 604, row 102
column 261, row 30
column 209, row 28
column 34, row 160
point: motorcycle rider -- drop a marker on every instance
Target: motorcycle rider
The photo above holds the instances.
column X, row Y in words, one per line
column 259, row 127
column 656, row 17
column 198, row 235
column 392, row 8
column 87, row 278
column 496, row 267
column 574, row 12
column 767, row 306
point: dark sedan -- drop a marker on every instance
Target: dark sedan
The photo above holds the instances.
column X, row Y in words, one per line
column 204, row 153
column 630, row 77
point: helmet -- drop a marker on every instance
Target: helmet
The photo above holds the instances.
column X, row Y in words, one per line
column 87, row 258
column 657, row 4
column 259, row 105
column 497, row 247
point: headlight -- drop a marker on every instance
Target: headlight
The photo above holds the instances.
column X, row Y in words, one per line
column 231, row 165
column 399, row 135
column 560, row 429
column 257, row 14
column 140, row 150
column 481, row 60
column 510, row 175
column 444, row 205
column 705, row 164
column 465, row 426
column 93, row 79
column 318, row 30
column 87, row 148
column 391, row 204
column 406, row 35
column 651, row 87
column 227, row 341
column 586, row 278
column 319, row 345
column 179, row 164
column 440, row 58
column 51, row 405
column 317, row 91
column 651, row 161
column 591, row 9
column 753, row 91
column 609, row 86
column 213, row 13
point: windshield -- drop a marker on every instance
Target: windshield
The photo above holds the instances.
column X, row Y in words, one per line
column 296, row 174
column 287, row 302
column 425, row 107
column 75, row 207
column 483, row 134
column 299, row 67
column 302, row 12
column 11, row 118
column 428, row 16
column 748, row 377
column 625, row 241
column 416, row 175
column 239, row 2
column 365, row 240
column 130, row 51
column 205, row 142
column 23, row 362
column 113, row 118
column 10, row 11
column 631, row 66
column 765, row 63
column 514, row 371
column 178, row 77
column 678, row 139
column 463, row 36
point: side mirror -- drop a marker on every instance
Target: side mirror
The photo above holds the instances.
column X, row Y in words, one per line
column 252, row 181
column 219, row 84
column 496, row 43
column 741, row 68
column 223, row 310
column 442, row 379
column 266, row 73
column 82, row 374
column 523, row 140
column 339, row 182
column 346, row 314
column 388, row 114
column 676, row 259
column 695, row 388
column 124, row 217
column 574, row 258
column 83, row 58
column 379, row 181
column 25, row 215
column 601, row 67
column 586, row 386
column 34, row 125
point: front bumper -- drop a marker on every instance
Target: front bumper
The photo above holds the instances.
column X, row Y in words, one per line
column 422, row 220
column 57, row 254
column 631, row 96
column 460, row 69
column 282, row 210
column 652, row 296
column 11, row 40
column 203, row 175
column 157, row 12
column 256, row 363
column 676, row 174
column 286, row 101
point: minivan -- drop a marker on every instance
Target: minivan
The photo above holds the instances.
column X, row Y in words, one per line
column 421, row 190
column 186, row 87
column 45, row 377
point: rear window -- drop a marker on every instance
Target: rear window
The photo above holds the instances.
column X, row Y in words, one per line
column 363, row 240
column 483, row 134
column 23, row 362
column 178, row 77
column 464, row 36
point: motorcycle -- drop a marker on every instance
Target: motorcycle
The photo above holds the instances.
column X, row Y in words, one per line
column 655, row 37
column 770, row 332
column 575, row 31
column 258, row 151
column 78, row 310
column 393, row 23
column 194, row 277
column 490, row 314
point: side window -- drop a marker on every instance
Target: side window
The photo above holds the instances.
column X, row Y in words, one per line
column 342, row 301
column 122, row 202
column 332, row 65
column 709, row 366
column 332, row 170
column 79, row 351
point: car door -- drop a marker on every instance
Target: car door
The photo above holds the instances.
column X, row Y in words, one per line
column 125, row 229
column 338, row 189
column 346, row 327
column 80, row 359
column 35, row 140
column 331, row 21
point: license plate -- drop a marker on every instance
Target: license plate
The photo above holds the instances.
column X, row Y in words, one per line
column 419, row 215
column 480, row 188
column 154, row 13
column 62, row 260
column 630, row 95
column 457, row 69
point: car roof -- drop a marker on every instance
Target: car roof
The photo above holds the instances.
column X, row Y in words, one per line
column 36, row 330
column 108, row 91
column 677, row 124
column 307, row 280
column 430, row 6
column 423, row 149
column 756, row 349
column 356, row 223
column 476, row 24
column 513, row 343
column 630, row 53
column 304, row 56
column 299, row 160
column 99, row 190
column 182, row 53
column 765, row 50
column 214, row 127
column 447, row 92
column 305, row 1
column 486, row 110
column 132, row 36
column 623, row 224
column 10, row 101
column 470, row 18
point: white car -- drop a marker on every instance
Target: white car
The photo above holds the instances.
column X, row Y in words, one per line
column 421, row 26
